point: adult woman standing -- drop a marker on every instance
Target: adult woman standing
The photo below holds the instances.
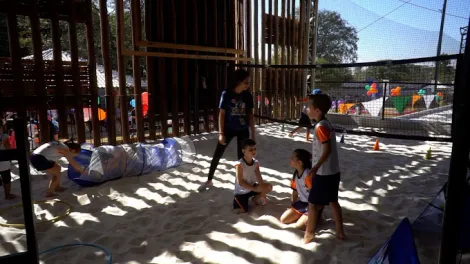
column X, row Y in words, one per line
column 235, row 119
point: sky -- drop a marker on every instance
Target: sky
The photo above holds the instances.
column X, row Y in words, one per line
column 411, row 31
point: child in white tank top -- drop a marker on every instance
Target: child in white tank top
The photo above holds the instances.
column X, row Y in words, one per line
column 45, row 158
column 248, row 182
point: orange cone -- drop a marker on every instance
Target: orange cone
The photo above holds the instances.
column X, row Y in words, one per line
column 376, row 146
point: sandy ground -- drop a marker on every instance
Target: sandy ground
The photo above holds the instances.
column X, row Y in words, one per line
column 161, row 218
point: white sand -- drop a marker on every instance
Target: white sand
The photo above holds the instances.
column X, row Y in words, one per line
column 161, row 218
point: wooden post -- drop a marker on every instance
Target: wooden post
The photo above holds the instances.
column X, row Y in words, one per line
column 174, row 81
column 121, row 71
column 108, row 74
column 275, row 102
column 300, row 80
column 217, row 93
column 196, row 81
column 151, row 78
column 59, row 74
column 95, row 122
column 39, row 84
column 264, row 33
column 249, row 42
column 293, row 61
column 256, row 81
column 162, row 75
column 16, row 66
column 283, row 60
column 136, row 31
column 78, row 103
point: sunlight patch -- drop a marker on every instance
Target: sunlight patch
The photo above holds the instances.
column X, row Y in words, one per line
column 81, row 218
column 114, row 210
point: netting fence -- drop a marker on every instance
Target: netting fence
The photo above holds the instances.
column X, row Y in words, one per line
column 388, row 98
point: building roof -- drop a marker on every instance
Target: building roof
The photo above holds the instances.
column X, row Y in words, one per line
column 100, row 76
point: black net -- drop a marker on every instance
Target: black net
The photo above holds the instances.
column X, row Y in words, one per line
column 392, row 99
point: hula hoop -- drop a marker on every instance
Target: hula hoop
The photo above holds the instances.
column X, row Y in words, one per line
column 53, row 220
column 108, row 254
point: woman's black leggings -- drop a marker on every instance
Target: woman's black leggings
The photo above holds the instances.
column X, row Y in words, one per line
column 220, row 149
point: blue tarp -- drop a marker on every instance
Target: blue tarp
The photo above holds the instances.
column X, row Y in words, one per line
column 400, row 247
column 107, row 163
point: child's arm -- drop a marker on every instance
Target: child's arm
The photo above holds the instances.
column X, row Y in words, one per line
column 294, row 196
column 323, row 134
column 294, row 131
column 70, row 159
column 259, row 179
column 242, row 182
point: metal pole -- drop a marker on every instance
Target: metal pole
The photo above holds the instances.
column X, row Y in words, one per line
column 439, row 45
column 458, row 163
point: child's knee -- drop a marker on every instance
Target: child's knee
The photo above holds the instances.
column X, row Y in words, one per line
column 315, row 207
column 269, row 187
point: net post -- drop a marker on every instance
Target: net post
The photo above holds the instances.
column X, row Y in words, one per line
column 383, row 100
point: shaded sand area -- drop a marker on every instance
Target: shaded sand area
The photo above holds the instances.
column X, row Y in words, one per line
column 161, row 218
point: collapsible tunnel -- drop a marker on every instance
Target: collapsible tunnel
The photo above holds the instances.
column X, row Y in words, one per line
column 107, row 162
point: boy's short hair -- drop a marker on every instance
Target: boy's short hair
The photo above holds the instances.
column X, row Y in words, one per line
column 320, row 101
column 248, row 142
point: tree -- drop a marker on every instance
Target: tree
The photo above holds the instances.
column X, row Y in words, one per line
column 336, row 39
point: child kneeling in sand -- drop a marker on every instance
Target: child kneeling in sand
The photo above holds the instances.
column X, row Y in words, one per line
column 301, row 161
column 45, row 158
column 249, row 182
column 325, row 172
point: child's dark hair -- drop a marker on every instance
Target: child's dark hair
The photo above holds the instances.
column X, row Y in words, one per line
column 305, row 157
column 72, row 145
column 248, row 142
column 238, row 77
column 320, row 101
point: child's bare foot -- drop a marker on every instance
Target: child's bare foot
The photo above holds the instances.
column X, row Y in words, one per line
column 60, row 189
column 340, row 235
column 308, row 237
column 10, row 196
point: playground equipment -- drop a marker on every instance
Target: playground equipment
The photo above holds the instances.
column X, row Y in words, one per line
column 107, row 163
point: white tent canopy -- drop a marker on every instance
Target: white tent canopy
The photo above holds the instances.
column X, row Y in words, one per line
column 100, row 76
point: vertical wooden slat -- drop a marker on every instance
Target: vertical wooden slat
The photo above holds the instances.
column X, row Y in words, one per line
column 59, row 80
column 206, row 28
column 263, row 56
column 107, row 65
column 121, row 71
column 249, row 43
column 39, row 84
column 283, row 60
column 17, row 67
column 136, row 32
column 93, row 85
column 293, row 61
column 299, row 83
column 256, row 41
column 78, row 103
column 162, row 74
column 275, row 102
column 216, row 74
column 196, row 65
column 186, row 109
column 149, row 61
column 174, row 82
column 225, row 30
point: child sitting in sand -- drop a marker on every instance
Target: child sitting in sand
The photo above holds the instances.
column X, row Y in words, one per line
column 248, row 181
column 45, row 158
column 301, row 161
column 5, row 173
column 325, row 172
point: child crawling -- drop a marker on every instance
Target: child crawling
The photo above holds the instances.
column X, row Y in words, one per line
column 45, row 158
column 249, row 183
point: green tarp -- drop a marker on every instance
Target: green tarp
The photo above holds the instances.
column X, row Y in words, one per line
column 400, row 102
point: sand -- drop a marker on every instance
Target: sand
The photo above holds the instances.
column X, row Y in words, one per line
column 161, row 218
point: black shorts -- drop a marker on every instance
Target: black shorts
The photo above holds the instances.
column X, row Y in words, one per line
column 300, row 207
column 243, row 200
column 304, row 121
column 324, row 189
column 40, row 162
column 5, row 177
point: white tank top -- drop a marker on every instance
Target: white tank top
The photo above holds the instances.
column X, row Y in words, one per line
column 302, row 185
column 49, row 150
column 249, row 175
column 331, row 164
